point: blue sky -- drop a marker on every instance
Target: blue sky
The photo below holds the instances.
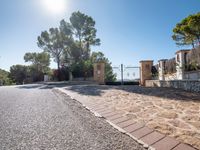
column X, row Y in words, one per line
column 130, row 30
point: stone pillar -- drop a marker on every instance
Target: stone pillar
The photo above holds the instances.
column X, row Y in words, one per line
column 145, row 71
column 99, row 72
column 181, row 61
column 161, row 69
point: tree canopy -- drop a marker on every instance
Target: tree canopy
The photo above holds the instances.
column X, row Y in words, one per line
column 84, row 30
column 187, row 32
column 73, row 39
column 55, row 41
column 18, row 73
column 4, row 78
column 70, row 45
column 40, row 61
column 39, row 65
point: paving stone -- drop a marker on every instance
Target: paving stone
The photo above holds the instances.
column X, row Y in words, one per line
column 93, row 105
column 105, row 111
column 109, row 114
column 98, row 108
column 102, row 110
column 122, row 119
column 126, row 123
column 133, row 127
column 152, row 138
column 183, row 147
column 141, row 132
column 114, row 117
column 167, row 143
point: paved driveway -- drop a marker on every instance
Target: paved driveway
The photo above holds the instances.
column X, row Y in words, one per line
column 173, row 112
column 38, row 117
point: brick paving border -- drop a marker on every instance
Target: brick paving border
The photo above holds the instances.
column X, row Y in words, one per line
column 149, row 138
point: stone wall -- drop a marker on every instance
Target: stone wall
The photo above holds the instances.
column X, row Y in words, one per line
column 188, row 85
column 190, row 75
column 83, row 79
column 194, row 75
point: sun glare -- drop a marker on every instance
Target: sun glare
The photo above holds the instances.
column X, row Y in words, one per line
column 55, row 6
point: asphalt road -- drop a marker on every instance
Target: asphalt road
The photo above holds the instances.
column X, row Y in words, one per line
column 37, row 117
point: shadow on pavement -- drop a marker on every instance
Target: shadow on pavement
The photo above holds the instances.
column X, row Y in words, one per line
column 168, row 93
column 93, row 90
column 41, row 86
column 97, row 90
column 30, row 86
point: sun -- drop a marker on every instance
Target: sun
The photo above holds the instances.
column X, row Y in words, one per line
column 55, row 6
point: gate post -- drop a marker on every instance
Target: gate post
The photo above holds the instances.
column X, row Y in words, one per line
column 181, row 61
column 145, row 71
column 99, row 72
column 161, row 69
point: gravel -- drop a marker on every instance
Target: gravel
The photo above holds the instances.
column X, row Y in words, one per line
column 40, row 118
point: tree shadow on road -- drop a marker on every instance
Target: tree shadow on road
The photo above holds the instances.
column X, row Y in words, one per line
column 98, row 90
column 167, row 93
column 30, row 86
column 40, row 86
column 92, row 90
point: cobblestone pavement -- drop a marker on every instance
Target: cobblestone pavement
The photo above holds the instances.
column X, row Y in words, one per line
column 173, row 112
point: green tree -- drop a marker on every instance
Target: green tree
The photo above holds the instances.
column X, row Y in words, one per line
column 66, row 31
column 85, row 32
column 187, row 32
column 194, row 25
column 4, row 78
column 40, row 61
column 71, row 43
column 55, row 42
column 18, row 73
column 39, row 65
column 77, row 57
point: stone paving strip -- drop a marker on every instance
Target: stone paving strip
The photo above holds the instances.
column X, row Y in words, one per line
column 146, row 136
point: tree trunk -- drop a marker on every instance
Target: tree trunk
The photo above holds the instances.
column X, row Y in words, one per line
column 193, row 45
column 88, row 50
column 80, row 44
column 58, row 65
column 58, row 62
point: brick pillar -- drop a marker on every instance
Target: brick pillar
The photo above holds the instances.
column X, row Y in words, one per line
column 99, row 72
column 181, row 61
column 145, row 71
column 161, row 69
